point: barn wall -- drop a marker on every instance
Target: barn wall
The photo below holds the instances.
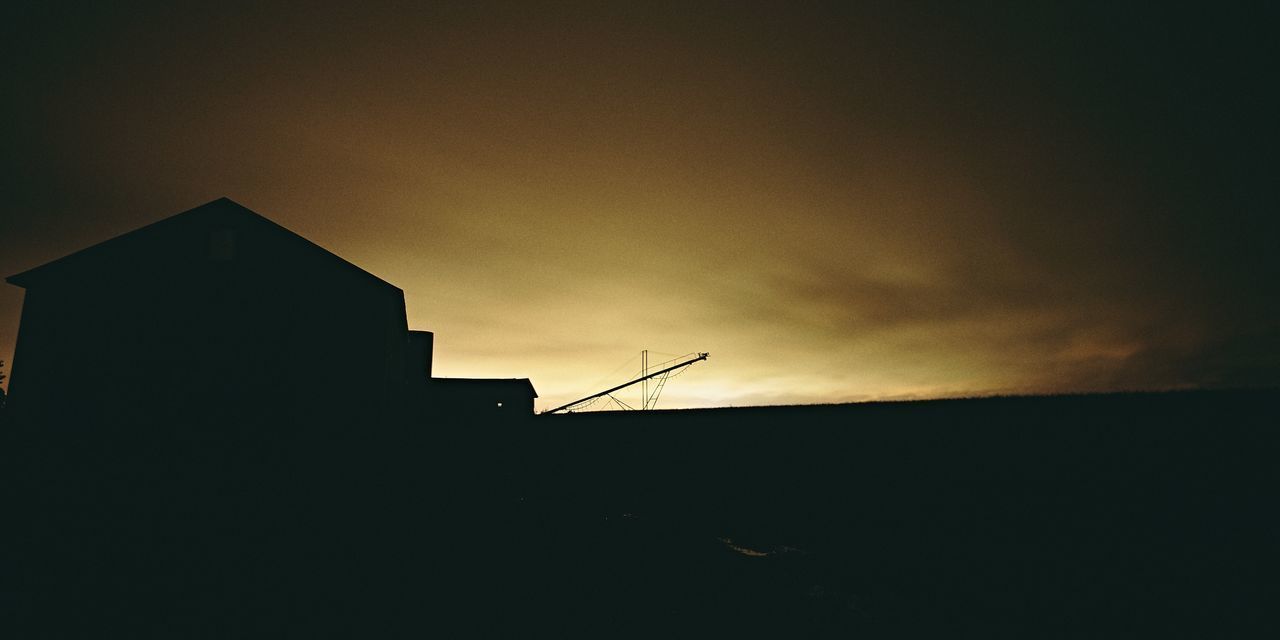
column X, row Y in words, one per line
column 278, row 333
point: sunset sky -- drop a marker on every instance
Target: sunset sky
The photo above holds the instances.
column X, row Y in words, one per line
column 894, row 200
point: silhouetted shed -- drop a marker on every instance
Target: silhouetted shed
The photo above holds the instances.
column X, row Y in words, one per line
column 213, row 313
column 429, row 398
column 484, row 397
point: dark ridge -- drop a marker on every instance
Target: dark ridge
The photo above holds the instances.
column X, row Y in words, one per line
column 1121, row 515
column 1115, row 396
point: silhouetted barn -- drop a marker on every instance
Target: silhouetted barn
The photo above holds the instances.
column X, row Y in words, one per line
column 218, row 314
column 212, row 414
column 213, row 313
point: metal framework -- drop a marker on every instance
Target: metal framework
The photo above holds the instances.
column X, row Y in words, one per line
column 648, row 400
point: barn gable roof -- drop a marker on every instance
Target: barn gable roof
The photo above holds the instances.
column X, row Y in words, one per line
column 222, row 210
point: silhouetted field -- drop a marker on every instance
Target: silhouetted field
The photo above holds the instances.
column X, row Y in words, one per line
column 1131, row 515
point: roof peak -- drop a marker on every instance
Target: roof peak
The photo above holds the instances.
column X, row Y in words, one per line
column 222, row 206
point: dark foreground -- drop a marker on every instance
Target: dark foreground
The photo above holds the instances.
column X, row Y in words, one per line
column 1147, row 515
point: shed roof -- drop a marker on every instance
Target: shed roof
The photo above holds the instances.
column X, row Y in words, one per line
column 222, row 210
column 490, row 383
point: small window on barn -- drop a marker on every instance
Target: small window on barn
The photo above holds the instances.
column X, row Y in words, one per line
column 222, row 245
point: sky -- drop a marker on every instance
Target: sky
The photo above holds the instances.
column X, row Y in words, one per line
column 838, row 202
